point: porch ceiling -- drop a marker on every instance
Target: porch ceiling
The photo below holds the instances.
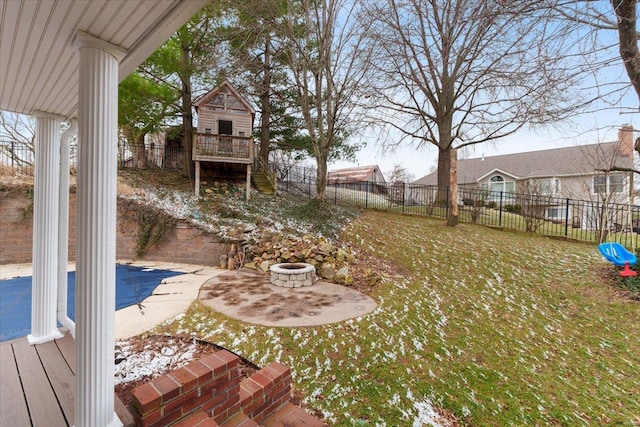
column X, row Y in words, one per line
column 38, row 62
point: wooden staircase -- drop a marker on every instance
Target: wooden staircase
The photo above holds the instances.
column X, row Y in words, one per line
column 262, row 182
column 262, row 179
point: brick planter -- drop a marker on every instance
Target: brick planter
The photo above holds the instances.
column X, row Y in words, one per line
column 211, row 385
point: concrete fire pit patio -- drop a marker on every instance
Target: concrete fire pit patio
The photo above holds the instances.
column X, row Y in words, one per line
column 292, row 275
column 249, row 296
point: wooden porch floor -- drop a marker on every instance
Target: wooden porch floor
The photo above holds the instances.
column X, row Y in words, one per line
column 37, row 385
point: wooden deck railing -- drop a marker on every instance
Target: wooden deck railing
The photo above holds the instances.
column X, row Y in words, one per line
column 223, row 148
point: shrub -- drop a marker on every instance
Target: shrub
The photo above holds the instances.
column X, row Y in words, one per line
column 513, row 208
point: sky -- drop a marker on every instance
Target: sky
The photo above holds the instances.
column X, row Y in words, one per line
column 599, row 124
column 591, row 128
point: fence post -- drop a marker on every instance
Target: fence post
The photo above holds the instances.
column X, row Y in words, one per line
column 366, row 197
column 500, row 210
column 566, row 219
column 403, row 195
column 446, row 201
column 335, row 194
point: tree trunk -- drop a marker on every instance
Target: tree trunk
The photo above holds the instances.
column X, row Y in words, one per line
column 444, row 166
column 265, row 103
column 140, row 153
column 321, row 181
column 452, row 217
column 187, row 115
column 626, row 13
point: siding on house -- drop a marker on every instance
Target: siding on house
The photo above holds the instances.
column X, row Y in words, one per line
column 574, row 168
column 242, row 123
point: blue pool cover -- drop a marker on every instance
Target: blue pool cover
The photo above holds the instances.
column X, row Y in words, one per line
column 133, row 285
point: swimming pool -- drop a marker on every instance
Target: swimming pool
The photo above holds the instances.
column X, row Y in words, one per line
column 133, row 285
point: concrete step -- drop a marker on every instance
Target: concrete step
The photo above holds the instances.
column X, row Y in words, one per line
column 239, row 420
column 197, row 419
column 290, row 415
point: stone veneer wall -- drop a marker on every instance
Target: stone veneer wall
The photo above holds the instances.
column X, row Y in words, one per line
column 182, row 244
column 211, row 385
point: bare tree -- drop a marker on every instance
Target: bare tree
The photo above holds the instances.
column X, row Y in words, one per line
column 17, row 139
column 399, row 174
column 453, row 73
column 321, row 40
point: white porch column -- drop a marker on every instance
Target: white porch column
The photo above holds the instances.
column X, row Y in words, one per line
column 63, row 228
column 45, row 230
column 96, row 228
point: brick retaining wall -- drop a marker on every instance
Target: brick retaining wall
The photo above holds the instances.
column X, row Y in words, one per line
column 182, row 243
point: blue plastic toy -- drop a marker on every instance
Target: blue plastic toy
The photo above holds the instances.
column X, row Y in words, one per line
column 620, row 256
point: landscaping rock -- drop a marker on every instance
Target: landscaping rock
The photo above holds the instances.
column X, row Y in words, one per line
column 264, row 265
column 328, row 271
column 331, row 261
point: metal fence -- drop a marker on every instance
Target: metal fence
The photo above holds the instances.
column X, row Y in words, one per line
column 142, row 156
column 581, row 220
column 19, row 157
column 585, row 220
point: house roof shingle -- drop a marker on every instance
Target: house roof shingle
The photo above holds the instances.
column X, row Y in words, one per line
column 355, row 174
column 568, row 161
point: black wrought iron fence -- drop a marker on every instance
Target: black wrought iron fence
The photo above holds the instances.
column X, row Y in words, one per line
column 22, row 157
column 17, row 156
column 142, row 156
column 584, row 220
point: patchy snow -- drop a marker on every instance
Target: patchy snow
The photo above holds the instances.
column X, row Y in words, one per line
column 151, row 361
column 426, row 414
column 230, row 216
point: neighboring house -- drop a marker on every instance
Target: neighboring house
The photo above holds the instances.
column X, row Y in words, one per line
column 580, row 172
column 362, row 178
column 225, row 125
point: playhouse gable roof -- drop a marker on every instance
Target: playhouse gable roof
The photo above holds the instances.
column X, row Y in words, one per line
column 213, row 98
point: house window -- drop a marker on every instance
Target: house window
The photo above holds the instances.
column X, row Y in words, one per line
column 608, row 184
column 547, row 187
column 556, row 213
column 497, row 183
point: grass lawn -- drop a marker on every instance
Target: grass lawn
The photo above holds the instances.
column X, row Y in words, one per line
column 498, row 328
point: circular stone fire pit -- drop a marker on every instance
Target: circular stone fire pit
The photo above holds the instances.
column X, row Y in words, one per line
column 292, row 275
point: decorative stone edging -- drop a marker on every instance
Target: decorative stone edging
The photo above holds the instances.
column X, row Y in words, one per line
column 292, row 275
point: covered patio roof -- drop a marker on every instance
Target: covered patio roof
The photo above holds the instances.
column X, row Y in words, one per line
column 62, row 60
column 39, row 63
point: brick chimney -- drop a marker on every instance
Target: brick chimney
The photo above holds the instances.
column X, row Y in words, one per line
column 625, row 140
